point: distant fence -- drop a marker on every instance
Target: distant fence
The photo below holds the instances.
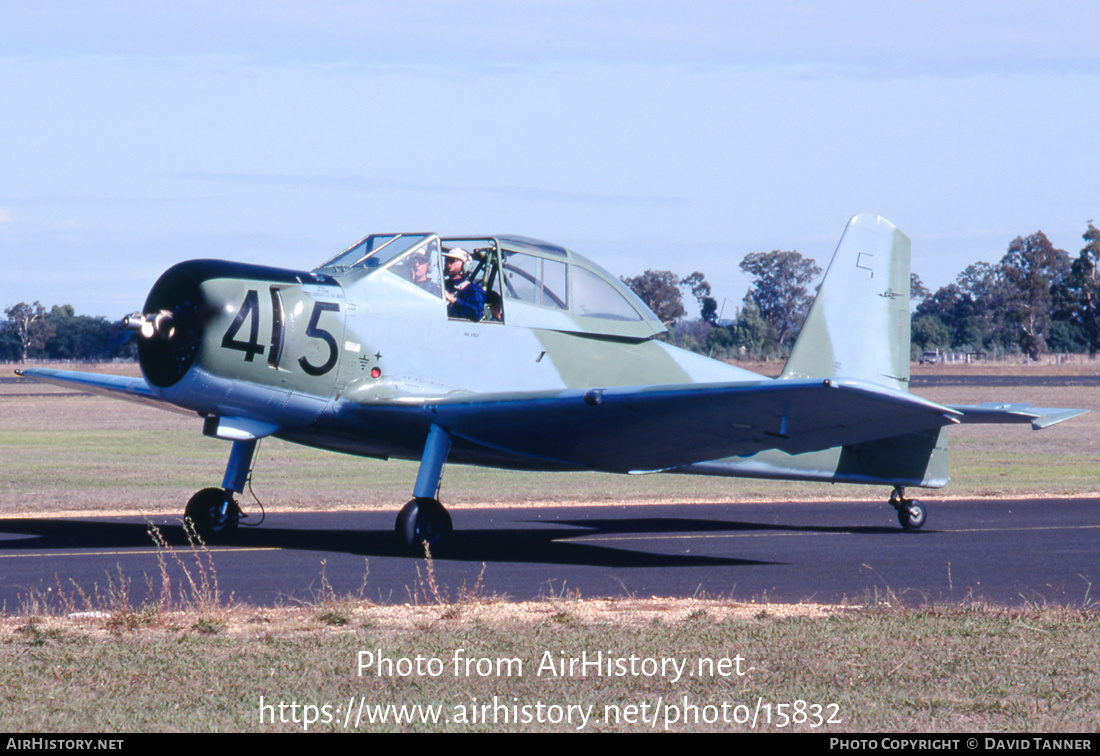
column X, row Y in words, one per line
column 971, row 358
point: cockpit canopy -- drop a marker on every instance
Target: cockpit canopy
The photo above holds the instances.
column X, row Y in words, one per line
column 523, row 282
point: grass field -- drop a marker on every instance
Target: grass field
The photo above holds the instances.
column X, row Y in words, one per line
column 69, row 663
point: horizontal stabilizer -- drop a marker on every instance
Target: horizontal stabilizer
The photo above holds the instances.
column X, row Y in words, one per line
column 997, row 412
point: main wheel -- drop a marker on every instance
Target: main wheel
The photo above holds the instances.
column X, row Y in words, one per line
column 214, row 514
column 423, row 520
column 911, row 514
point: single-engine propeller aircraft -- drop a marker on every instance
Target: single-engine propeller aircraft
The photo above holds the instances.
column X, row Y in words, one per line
column 510, row 352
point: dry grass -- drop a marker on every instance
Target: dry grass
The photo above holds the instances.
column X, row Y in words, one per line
column 342, row 615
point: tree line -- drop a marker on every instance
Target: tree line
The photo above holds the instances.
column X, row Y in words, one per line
column 33, row 332
column 1037, row 299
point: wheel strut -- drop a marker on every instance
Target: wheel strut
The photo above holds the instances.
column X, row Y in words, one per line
column 424, row 519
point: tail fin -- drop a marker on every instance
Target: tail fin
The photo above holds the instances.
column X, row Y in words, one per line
column 858, row 325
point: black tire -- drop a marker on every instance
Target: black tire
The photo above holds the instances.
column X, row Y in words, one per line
column 204, row 510
column 911, row 515
column 423, row 521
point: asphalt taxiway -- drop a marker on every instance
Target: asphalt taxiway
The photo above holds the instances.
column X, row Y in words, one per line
column 1041, row 551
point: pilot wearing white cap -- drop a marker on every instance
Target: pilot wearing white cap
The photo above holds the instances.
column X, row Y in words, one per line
column 465, row 299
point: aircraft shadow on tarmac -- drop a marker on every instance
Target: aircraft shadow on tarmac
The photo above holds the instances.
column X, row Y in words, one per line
column 550, row 544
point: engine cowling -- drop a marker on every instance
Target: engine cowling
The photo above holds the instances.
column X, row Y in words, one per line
column 239, row 321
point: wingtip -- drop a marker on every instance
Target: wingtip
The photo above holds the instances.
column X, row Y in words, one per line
column 1048, row 417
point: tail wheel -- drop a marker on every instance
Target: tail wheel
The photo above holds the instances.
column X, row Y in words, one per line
column 214, row 514
column 911, row 514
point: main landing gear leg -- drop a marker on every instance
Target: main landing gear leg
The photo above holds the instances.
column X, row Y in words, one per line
column 911, row 512
column 424, row 520
column 214, row 512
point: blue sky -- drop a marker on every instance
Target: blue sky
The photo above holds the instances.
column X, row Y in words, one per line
column 642, row 134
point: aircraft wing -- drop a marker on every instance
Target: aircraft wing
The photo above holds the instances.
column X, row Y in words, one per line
column 996, row 412
column 652, row 428
column 115, row 386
